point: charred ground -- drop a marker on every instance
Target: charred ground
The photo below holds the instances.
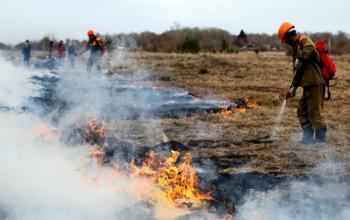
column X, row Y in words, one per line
column 238, row 141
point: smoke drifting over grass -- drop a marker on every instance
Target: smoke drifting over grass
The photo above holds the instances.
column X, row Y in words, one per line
column 45, row 179
column 325, row 195
column 14, row 85
column 104, row 97
column 40, row 178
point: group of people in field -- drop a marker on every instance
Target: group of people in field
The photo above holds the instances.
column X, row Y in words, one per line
column 312, row 71
column 95, row 45
column 62, row 50
column 66, row 49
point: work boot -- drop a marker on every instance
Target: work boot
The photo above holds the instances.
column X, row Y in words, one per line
column 320, row 136
column 308, row 135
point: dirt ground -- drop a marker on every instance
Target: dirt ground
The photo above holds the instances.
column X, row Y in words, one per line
column 235, row 139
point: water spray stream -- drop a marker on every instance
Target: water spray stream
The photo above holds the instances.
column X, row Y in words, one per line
column 278, row 119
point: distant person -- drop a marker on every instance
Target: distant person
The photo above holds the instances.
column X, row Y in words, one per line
column 97, row 48
column 61, row 52
column 109, row 48
column 71, row 52
column 50, row 49
column 26, row 53
column 308, row 75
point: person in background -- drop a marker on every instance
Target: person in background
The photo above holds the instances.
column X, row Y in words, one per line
column 61, row 52
column 50, row 49
column 97, row 49
column 26, row 53
column 71, row 52
column 109, row 48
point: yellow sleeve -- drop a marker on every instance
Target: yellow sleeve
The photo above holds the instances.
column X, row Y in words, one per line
column 308, row 47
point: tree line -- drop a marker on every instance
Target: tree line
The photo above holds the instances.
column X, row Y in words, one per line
column 194, row 40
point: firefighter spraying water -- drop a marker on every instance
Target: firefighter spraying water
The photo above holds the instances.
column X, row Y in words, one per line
column 312, row 71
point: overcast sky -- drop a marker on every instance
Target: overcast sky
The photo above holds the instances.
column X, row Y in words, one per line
column 22, row 19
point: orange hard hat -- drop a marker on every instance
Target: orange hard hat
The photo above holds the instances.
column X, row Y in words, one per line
column 283, row 29
column 90, row 32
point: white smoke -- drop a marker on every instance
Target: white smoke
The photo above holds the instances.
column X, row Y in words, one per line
column 39, row 179
column 103, row 97
column 324, row 196
column 45, row 179
column 14, row 85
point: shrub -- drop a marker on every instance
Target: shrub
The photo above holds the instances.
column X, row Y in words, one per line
column 224, row 46
column 190, row 45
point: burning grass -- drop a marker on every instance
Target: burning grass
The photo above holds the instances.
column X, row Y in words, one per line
column 95, row 133
column 244, row 76
column 261, row 78
column 175, row 176
column 228, row 151
column 240, row 106
column 178, row 181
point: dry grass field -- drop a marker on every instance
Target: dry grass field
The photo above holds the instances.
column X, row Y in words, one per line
column 237, row 140
column 234, row 155
column 234, row 139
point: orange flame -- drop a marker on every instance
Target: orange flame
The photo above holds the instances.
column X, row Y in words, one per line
column 241, row 110
column 98, row 129
column 98, row 155
column 225, row 112
column 176, row 179
column 95, row 134
column 250, row 104
column 247, row 104
column 179, row 183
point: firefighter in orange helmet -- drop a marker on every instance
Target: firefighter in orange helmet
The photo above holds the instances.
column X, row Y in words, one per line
column 97, row 47
column 308, row 75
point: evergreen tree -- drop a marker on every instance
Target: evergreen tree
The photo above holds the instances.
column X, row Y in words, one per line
column 224, row 46
column 190, row 45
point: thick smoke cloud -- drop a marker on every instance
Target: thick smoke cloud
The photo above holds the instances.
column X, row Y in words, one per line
column 40, row 179
column 43, row 178
column 325, row 196
column 14, row 85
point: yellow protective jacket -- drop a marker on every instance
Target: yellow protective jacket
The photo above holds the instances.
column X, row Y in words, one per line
column 309, row 71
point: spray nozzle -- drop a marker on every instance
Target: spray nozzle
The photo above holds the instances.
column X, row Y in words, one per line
column 290, row 93
column 287, row 95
